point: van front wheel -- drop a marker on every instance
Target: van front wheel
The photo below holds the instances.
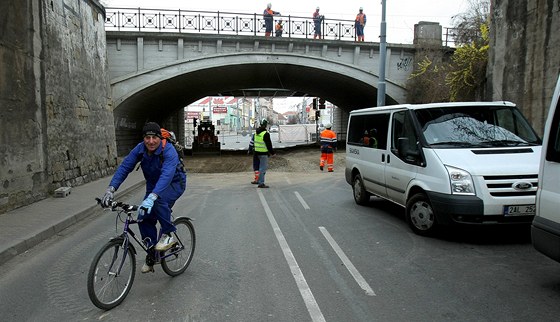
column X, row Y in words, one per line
column 420, row 215
column 361, row 196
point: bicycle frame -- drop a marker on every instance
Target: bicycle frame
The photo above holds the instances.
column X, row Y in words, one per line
column 127, row 231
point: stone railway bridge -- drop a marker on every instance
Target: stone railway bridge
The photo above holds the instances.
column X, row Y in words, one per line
column 155, row 75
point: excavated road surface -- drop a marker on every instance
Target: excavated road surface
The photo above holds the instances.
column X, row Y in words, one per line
column 298, row 159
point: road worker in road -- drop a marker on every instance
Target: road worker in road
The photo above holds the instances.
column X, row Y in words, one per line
column 328, row 145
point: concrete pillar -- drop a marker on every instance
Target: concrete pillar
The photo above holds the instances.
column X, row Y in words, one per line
column 427, row 34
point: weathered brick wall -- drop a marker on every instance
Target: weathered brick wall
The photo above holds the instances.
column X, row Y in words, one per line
column 57, row 121
column 524, row 61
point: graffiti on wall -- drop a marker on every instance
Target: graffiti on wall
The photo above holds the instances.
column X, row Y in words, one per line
column 405, row 63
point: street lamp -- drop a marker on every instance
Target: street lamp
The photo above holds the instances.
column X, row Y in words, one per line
column 382, row 58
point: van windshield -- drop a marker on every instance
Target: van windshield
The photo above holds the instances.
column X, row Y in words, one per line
column 476, row 126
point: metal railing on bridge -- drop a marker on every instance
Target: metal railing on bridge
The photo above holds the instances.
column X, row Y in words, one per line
column 231, row 23
column 226, row 23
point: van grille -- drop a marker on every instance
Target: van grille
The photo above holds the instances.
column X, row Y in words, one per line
column 512, row 186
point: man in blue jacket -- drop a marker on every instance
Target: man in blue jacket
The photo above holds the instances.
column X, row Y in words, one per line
column 166, row 181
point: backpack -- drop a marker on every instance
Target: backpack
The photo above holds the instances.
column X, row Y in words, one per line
column 169, row 136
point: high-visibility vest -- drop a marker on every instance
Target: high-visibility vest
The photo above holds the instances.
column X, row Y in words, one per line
column 260, row 146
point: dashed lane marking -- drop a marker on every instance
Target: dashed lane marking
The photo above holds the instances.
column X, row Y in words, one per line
column 303, row 203
column 305, row 291
column 351, row 268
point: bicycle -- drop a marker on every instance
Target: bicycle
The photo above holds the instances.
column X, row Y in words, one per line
column 113, row 268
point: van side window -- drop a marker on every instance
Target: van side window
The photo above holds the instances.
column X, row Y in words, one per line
column 553, row 147
column 403, row 128
column 369, row 130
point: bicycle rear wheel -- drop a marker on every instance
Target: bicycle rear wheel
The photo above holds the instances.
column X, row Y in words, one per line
column 181, row 254
column 111, row 275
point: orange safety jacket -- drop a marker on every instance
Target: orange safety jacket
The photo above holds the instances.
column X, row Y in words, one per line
column 328, row 141
column 361, row 19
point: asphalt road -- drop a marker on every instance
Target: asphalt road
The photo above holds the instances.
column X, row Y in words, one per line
column 299, row 251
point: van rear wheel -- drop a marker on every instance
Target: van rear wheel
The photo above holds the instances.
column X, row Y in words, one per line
column 420, row 215
column 361, row 196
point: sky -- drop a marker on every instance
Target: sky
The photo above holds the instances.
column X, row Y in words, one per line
column 401, row 16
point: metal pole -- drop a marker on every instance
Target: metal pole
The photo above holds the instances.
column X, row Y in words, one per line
column 382, row 57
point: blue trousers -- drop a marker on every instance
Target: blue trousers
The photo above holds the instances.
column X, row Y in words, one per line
column 161, row 212
column 263, row 164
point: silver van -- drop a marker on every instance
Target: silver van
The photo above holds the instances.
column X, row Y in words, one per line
column 446, row 163
column 545, row 230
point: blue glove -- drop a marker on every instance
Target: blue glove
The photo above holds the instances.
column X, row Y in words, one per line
column 146, row 206
column 108, row 197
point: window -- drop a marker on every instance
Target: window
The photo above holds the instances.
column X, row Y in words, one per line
column 369, row 130
column 471, row 126
column 404, row 128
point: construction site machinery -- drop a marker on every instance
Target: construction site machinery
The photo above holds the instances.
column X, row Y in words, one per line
column 205, row 139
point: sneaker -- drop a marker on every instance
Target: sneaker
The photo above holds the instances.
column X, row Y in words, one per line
column 147, row 268
column 148, row 265
column 262, row 185
column 254, row 182
column 165, row 242
column 321, row 167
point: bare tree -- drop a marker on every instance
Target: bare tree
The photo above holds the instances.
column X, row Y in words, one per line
column 462, row 78
column 467, row 24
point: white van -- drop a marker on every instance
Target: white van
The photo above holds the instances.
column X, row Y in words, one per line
column 545, row 231
column 446, row 163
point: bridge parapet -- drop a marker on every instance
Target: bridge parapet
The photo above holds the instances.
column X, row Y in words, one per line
column 223, row 23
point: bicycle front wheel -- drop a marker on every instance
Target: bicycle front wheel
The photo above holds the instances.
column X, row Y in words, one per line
column 177, row 258
column 111, row 275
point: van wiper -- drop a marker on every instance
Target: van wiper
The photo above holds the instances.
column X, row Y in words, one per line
column 506, row 143
column 455, row 144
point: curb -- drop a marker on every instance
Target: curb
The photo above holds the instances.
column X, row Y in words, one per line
column 24, row 245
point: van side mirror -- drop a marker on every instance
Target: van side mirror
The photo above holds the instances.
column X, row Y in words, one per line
column 404, row 151
column 402, row 147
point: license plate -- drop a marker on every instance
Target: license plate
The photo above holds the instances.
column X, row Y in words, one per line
column 519, row 210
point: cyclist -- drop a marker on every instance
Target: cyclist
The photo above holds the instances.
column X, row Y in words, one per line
column 166, row 181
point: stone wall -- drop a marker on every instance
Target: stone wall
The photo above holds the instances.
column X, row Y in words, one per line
column 524, row 61
column 55, row 106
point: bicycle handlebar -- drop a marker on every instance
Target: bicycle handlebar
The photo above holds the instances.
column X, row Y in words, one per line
column 115, row 205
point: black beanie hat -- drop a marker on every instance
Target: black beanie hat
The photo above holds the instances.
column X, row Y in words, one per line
column 151, row 128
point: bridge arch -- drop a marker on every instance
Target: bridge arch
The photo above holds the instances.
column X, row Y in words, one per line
column 155, row 75
column 180, row 83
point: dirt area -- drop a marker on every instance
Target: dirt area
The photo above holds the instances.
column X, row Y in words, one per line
column 297, row 159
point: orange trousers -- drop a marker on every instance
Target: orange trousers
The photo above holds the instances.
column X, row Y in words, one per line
column 329, row 159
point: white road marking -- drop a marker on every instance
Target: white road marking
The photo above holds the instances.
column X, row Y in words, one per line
column 304, row 290
column 303, row 203
column 351, row 268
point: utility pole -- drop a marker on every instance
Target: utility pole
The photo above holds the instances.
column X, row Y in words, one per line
column 382, row 57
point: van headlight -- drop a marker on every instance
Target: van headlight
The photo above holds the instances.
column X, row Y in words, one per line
column 461, row 181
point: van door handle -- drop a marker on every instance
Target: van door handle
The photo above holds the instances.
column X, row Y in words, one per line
column 388, row 158
column 383, row 158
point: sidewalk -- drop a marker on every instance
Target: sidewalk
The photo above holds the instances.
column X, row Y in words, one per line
column 25, row 227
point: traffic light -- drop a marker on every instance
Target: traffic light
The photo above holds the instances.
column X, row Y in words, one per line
column 317, row 114
column 194, row 121
column 315, row 103
column 321, row 103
